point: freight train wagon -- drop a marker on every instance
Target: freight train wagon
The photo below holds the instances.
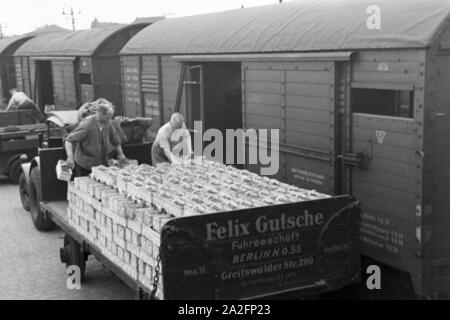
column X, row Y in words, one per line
column 66, row 69
column 8, row 47
column 362, row 108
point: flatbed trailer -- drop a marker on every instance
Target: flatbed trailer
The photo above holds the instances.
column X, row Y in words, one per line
column 57, row 211
column 238, row 254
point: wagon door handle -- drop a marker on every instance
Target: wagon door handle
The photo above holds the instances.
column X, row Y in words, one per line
column 356, row 160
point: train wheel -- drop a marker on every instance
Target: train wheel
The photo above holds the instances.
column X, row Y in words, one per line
column 24, row 192
column 72, row 255
column 40, row 220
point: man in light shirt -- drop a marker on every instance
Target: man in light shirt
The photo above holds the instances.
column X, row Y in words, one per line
column 20, row 101
column 172, row 134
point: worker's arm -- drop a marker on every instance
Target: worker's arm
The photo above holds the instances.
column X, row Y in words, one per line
column 120, row 154
column 69, row 150
column 10, row 104
column 116, row 141
column 187, row 136
column 169, row 154
column 78, row 134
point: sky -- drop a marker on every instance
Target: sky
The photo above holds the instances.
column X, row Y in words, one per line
column 22, row 16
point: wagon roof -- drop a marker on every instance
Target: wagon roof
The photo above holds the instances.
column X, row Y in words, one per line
column 7, row 42
column 305, row 25
column 73, row 43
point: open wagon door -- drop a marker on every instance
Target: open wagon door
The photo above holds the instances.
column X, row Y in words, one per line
column 65, row 92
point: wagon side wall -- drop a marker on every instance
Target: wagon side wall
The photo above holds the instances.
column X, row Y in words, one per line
column 436, row 207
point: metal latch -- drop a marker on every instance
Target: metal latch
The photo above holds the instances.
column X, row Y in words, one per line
column 357, row 160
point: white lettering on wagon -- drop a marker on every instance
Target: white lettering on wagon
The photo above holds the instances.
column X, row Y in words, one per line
column 379, row 232
column 308, row 176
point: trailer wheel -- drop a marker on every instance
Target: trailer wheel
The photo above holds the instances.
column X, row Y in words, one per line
column 14, row 171
column 72, row 255
column 24, row 192
column 40, row 220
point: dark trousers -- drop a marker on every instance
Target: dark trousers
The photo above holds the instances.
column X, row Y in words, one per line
column 158, row 155
column 37, row 114
column 80, row 172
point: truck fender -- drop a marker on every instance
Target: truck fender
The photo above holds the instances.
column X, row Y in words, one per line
column 26, row 169
column 28, row 166
column 10, row 162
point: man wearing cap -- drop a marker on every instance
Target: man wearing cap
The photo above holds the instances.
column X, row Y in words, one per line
column 172, row 134
column 94, row 137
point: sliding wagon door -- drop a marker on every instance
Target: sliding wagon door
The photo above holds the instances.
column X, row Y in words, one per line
column 298, row 99
column 64, row 83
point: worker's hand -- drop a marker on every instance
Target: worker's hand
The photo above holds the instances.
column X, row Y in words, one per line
column 70, row 162
column 177, row 160
column 121, row 157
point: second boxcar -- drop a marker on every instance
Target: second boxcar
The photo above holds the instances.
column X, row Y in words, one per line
column 8, row 47
column 66, row 69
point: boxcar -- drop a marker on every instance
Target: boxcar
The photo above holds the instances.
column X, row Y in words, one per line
column 359, row 93
column 8, row 47
column 66, row 69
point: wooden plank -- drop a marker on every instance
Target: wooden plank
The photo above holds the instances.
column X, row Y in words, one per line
column 270, row 111
column 317, row 116
column 303, row 66
column 391, row 55
column 383, row 151
column 305, row 126
column 382, row 193
column 310, row 90
column 264, row 98
column 391, row 181
column 263, row 122
column 380, row 77
column 395, row 139
column 167, row 61
column 365, row 121
column 308, row 140
column 150, row 68
column 312, row 103
column 369, row 203
column 130, row 60
column 264, row 75
column 311, row 77
column 393, row 66
column 263, row 87
column 396, row 168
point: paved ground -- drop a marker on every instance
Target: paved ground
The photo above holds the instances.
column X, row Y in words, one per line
column 30, row 267
column 29, row 260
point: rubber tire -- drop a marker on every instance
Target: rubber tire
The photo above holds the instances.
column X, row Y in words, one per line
column 14, row 171
column 40, row 220
column 76, row 256
column 23, row 190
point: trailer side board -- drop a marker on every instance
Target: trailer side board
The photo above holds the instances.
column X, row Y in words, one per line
column 262, row 251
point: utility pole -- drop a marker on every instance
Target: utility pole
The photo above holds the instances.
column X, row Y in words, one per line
column 72, row 15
